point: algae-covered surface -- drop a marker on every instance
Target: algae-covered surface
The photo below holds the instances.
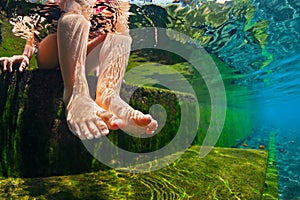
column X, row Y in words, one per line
column 271, row 185
column 223, row 174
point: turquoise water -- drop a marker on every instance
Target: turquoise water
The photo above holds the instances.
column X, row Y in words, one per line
column 280, row 97
column 275, row 87
column 269, row 66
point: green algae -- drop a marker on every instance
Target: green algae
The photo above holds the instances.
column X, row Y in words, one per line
column 223, row 174
column 33, row 123
column 11, row 117
column 259, row 30
column 271, row 185
column 10, row 44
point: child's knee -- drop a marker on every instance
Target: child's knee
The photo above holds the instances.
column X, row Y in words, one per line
column 47, row 56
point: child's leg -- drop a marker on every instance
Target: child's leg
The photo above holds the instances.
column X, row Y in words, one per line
column 47, row 56
column 82, row 112
column 113, row 60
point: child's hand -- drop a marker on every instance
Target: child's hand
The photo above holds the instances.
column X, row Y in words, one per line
column 8, row 62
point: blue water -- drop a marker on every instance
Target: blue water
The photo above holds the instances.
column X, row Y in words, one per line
column 280, row 98
column 272, row 75
column 276, row 87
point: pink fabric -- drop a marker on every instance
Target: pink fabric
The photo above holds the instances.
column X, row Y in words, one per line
column 99, row 10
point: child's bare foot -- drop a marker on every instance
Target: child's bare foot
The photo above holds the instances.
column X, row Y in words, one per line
column 139, row 121
column 113, row 59
column 132, row 120
column 87, row 120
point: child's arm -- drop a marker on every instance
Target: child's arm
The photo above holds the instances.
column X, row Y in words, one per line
column 29, row 48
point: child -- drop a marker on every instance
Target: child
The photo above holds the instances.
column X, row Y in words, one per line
column 68, row 48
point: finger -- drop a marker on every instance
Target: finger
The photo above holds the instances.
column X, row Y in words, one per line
column 23, row 66
column 4, row 65
column 10, row 66
column 3, row 59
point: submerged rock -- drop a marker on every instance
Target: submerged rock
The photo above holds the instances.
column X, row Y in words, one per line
column 223, row 174
column 34, row 136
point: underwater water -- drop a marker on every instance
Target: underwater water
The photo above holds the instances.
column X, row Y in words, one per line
column 276, row 90
column 270, row 67
column 258, row 42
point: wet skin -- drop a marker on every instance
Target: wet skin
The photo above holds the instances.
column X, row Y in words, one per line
column 87, row 118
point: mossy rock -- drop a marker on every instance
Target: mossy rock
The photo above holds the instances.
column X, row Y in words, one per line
column 271, row 183
column 223, row 174
column 34, row 136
